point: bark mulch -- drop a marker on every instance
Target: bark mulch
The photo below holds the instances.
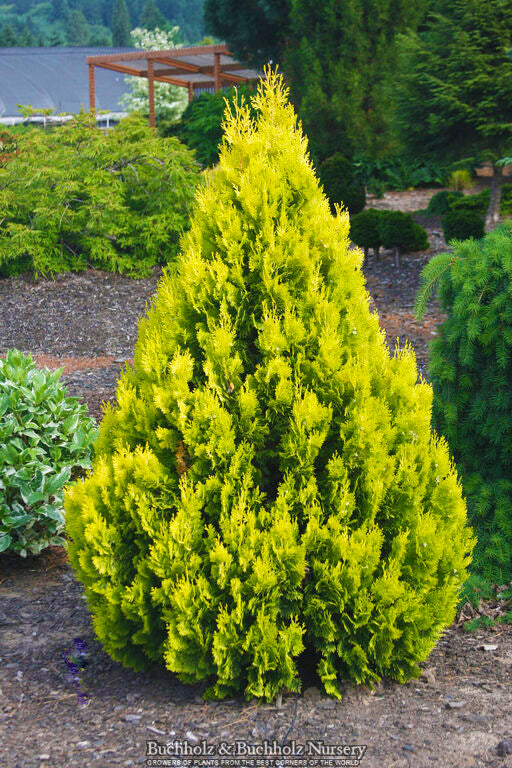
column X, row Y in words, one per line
column 458, row 713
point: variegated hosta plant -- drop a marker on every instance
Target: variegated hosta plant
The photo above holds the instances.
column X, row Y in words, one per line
column 45, row 441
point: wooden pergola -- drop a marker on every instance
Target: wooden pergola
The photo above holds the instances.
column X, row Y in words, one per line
column 198, row 69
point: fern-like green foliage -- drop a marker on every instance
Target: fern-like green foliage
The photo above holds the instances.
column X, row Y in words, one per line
column 471, row 371
column 74, row 196
column 268, row 480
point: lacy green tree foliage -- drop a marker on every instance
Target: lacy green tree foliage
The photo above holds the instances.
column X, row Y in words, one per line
column 471, row 371
column 45, row 440
column 74, row 197
column 268, row 481
column 454, row 95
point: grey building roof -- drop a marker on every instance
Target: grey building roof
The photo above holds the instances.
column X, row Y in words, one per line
column 56, row 77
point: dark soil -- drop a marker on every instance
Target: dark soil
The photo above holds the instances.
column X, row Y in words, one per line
column 459, row 713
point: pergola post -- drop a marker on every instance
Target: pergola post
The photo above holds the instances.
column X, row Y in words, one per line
column 92, row 94
column 190, row 91
column 151, row 93
column 216, row 71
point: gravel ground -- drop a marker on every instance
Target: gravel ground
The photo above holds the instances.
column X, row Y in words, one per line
column 459, row 713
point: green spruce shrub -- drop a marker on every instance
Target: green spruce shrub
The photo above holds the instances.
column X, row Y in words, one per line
column 268, row 482
column 74, row 196
column 337, row 178
column 461, row 225
column 45, row 440
column 365, row 230
column 471, row 371
column 441, row 202
column 400, row 232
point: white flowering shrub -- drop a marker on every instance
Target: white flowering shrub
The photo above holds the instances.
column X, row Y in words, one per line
column 170, row 100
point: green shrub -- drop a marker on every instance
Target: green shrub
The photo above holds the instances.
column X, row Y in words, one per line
column 478, row 203
column 268, row 481
column 399, row 231
column 365, row 230
column 337, row 178
column 447, row 200
column 441, row 202
column 460, row 179
column 506, row 200
column 200, row 127
column 471, row 370
column 75, row 196
column 45, row 440
column 460, row 225
column 420, row 240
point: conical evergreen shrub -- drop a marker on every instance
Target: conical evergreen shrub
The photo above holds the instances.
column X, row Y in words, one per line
column 268, row 481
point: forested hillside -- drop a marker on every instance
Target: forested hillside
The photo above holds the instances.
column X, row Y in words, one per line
column 95, row 22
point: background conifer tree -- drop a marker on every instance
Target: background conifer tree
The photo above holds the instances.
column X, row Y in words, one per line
column 268, row 481
column 454, row 96
column 121, row 24
column 8, row 37
column 151, row 17
column 255, row 30
column 77, row 28
column 340, row 59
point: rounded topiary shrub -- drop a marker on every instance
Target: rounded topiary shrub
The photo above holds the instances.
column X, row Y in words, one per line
column 471, row 371
column 45, row 440
column 400, row 232
column 365, row 230
column 461, row 225
column 268, row 481
column 337, row 178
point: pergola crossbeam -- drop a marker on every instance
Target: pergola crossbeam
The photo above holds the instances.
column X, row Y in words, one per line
column 174, row 69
